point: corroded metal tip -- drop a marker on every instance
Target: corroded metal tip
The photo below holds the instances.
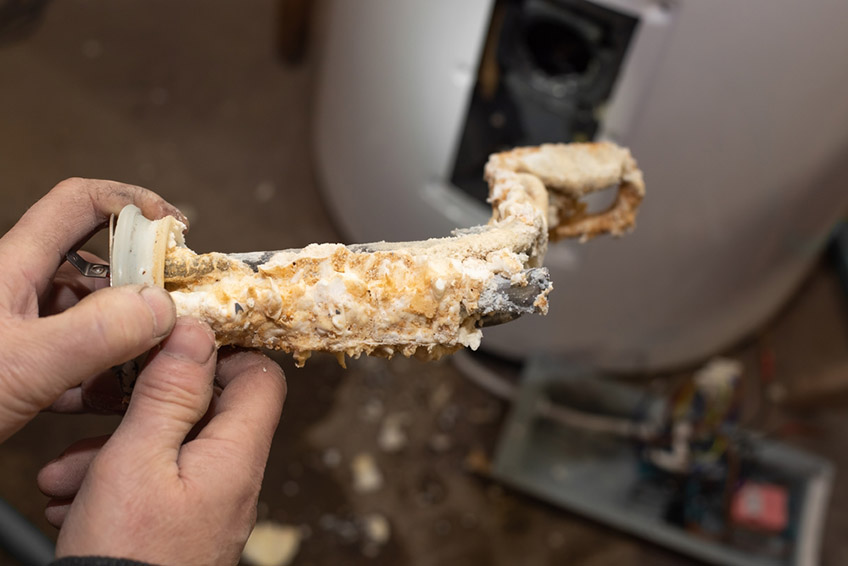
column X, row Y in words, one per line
column 507, row 300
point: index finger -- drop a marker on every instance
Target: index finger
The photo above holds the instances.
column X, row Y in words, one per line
column 249, row 407
column 35, row 247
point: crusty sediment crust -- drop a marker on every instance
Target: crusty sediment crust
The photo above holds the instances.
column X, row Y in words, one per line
column 423, row 298
column 571, row 171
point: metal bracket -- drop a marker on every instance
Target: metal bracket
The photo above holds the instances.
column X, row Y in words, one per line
column 88, row 269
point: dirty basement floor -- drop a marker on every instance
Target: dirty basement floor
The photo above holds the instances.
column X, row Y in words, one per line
column 188, row 98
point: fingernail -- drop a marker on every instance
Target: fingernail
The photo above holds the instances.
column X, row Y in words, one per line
column 178, row 214
column 191, row 340
column 162, row 306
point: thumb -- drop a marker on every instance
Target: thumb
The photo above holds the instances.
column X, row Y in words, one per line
column 105, row 329
column 171, row 394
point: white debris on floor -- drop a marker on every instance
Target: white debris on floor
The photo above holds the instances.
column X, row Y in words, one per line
column 440, row 443
column 331, row 457
column 392, row 437
column 377, row 528
column 272, row 544
column 371, row 531
column 377, row 533
column 366, row 475
column 345, row 528
column 372, row 410
column 440, row 396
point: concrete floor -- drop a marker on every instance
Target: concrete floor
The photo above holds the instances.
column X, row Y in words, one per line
column 187, row 98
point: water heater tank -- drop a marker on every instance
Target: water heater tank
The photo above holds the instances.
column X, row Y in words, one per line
column 736, row 111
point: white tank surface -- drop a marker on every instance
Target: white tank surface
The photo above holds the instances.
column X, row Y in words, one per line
column 737, row 112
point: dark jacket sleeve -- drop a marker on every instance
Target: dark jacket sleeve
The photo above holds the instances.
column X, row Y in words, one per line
column 96, row 561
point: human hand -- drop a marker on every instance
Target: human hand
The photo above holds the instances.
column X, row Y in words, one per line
column 178, row 481
column 106, row 392
column 44, row 356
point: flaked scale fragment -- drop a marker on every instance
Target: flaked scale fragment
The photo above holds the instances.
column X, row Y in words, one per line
column 425, row 298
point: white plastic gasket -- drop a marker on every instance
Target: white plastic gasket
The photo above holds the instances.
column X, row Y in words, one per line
column 138, row 247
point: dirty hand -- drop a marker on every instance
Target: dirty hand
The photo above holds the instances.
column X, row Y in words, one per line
column 178, row 481
column 46, row 351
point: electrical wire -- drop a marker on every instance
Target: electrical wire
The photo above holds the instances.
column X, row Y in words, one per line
column 502, row 388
